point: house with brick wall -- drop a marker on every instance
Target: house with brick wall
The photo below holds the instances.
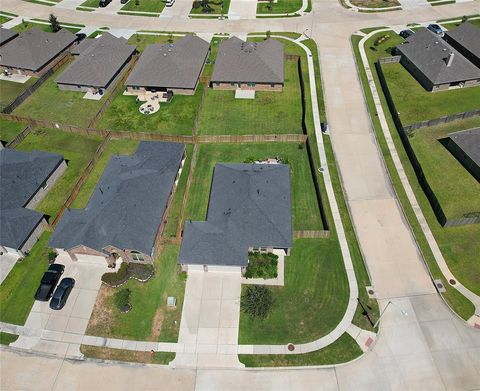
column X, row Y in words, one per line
column 241, row 65
column 249, row 210
column 25, row 178
column 127, row 210
column 34, row 52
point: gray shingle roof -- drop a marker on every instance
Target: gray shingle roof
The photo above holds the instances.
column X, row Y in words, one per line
column 256, row 62
column 429, row 53
column 468, row 36
column 21, row 176
column 469, row 142
column 127, row 205
column 6, row 35
column 35, row 48
column 98, row 63
column 82, row 46
column 250, row 206
column 175, row 65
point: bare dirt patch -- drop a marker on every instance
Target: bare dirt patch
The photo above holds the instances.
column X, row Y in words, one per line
column 99, row 323
column 157, row 324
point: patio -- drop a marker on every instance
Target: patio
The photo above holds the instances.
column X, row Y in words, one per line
column 14, row 77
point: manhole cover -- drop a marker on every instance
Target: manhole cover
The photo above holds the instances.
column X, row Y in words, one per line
column 439, row 285
column 452, row 281
column 291, row 347
column 371, row 292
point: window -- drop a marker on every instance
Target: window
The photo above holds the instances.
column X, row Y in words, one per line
column 137, row 256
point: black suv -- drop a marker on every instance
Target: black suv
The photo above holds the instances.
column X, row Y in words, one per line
column 49, row 282
column 104, row 3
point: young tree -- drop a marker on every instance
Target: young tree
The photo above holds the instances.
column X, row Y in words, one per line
column 170, row 38
column 54, row 25
column 257, row 301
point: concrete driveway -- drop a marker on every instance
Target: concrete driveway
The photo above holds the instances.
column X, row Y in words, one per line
column 210, row 317
column 73, row 317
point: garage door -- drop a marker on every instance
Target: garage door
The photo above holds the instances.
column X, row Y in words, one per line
column 94, row 259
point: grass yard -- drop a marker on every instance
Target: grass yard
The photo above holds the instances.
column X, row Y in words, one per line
column 306, row 214
column 149, row 319
column 311, row 303
column 90, row 3
column 77, row 150
column 10, row 90
column 218, row 7
column 99, row 353
column 416, row 104
column 144, row 6
column 10, row 129
column 25, row 26
column 176, row 117
column 19, row 287
column 343, row 350
column 141, row 41
column 280, row 7
column 7, row 339
column 4, row 19
column 268, row 113
column 375, row 3
column 113, row 147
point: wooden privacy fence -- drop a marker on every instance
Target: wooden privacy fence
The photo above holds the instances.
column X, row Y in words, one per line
column 390, row 60
column 311, row 234
column 19, row 137
column 86, row 172
column 441, row 120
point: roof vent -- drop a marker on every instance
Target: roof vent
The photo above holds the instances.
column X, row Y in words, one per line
column 450, row 58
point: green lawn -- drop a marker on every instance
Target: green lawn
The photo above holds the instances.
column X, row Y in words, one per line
column 457, row 191
column 52, row 104
column 77, row 150
column 9, row 130
column 90, row 3
column 176, row 117
column 18, row 289
column 343, row 350
column 268, row 113
column 218, row 7
column 311, row 303
column 306, row 215
column 144, row 6
column 25, row 26
column 113, row 147
column 141, row 41
column 4, row 19
column 149, row 319
column 10, row 90
column 416, row 104
column 173, row 218
column 7, row 339
column 451, row 246
column 280, row 7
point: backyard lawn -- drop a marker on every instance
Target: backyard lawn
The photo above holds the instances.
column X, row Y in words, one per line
column 176, row 117
column 306, row 214
column 218, row 7
column 144, row 6
column 19, row 287
column 9, row 130
column 113, row 147
column 149, row 319
column 52, row 104
column 10, row 90
column 279, row 7
column 311, row 303
column 77, row 151
column 416, row 104
column 268, row 113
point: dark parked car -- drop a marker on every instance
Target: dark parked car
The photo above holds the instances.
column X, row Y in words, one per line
column 104, row 3
column 49, row 281
column 406, row 33
column 61, row 294
column 435, row 28
column 123, row 1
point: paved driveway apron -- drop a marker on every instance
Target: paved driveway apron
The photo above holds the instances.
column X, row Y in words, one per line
column 210, row 317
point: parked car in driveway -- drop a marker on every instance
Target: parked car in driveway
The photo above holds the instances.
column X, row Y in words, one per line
column 435, row 28
column 61, row 294
column 406, row 33
column 104, row 3
column 49, row 282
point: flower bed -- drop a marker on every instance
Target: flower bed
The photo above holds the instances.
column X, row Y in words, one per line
column 261, row 265
column 138, row 271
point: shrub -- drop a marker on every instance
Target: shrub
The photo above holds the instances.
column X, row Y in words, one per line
column 54, row 25
column 261, row 265
column 117, row 278
column 122, row 299
column 140, row 271
column 257, row 301
column 51, row 256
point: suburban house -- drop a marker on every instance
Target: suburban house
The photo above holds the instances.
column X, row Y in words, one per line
column 34, row 52
column 249, row 210
column 98, row 62
column 435, row 64
column 249, row 65
column 174, row 67
column 126, row 212
column 466, row 40
column 25, row 178
column 6, row 35
column 465, row 146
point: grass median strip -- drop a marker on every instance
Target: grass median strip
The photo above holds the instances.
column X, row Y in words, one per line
column 99, row 353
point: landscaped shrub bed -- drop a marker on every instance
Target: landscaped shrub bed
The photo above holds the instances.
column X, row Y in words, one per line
column 261, row 265
column 138, row 271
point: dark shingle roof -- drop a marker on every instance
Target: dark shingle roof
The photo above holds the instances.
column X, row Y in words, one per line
column 21, row 176
column 34, row 49
column 469, row 142
column 256, row 62
column 468, row 36
column 6, row 35
column 98, row 63
column 128, row 203
column 171, row 65
column 429, row 53
column 250, row 206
